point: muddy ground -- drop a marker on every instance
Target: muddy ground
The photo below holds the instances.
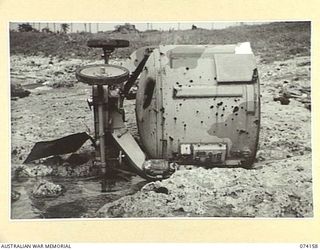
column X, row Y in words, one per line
column 50, row 103
column 279, row 185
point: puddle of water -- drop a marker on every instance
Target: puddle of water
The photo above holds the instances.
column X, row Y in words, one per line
column 82, row 198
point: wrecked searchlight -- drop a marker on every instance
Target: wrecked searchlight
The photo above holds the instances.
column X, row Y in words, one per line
column 195, row 104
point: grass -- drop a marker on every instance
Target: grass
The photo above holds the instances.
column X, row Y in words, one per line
column 273, row 41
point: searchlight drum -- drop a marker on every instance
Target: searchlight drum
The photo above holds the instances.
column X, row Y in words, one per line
column 195, row 104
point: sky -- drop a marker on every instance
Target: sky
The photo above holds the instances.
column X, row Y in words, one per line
column 76, row 26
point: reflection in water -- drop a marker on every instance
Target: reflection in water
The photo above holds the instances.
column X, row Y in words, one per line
column 81, row 199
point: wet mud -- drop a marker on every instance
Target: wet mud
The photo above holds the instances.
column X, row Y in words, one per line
column 279, row 185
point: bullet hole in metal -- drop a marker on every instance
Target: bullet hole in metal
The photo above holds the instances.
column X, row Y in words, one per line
column 236, row 109
column 162, row 109
column 161, row 53
column 211, row 106
column 257, row 122
column 219, row 104
column 222, row 115
column 200, row 77
column 197, row 111
column 185, row 125
column 232, row 119
column 180, row 104
column 241, row 107
column 171, row 138
column 187, row 68
column 175, row 118
column 177, row 83
column 247, row 133
column 136, row 60
column 201, row 121
column 226, row 124
column 241, row 131
column 235, row 100
column 191, row 81
column 217, row 114
column 245, row 110
column 232, row 107
column 215, row 78
column 223, row 109
column 236, row 113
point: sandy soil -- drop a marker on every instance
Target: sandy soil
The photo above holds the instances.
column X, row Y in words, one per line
column 279, row 185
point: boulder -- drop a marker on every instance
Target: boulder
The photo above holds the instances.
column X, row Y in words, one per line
column 18, row 91
column 46, row 189
column 15, row 195
column 33, row 170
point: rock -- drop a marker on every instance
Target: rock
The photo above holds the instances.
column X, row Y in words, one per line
column 18, row 91
column 14, row 152
column 62, row 84
column 283, row 100
column 56, row 73
column 222, row 192
column 306, row 63
column 46, row 189
column 307, row 106
column 155, row 187
column 15, row 195
column 33, row 170
column 151, row 186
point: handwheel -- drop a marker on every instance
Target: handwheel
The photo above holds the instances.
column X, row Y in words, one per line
column 102, row 74
column 109, row 44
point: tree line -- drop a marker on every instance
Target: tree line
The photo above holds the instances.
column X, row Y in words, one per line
column 27, row 27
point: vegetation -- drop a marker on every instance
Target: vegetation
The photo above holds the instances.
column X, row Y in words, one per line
column 64, row 27
column 273, row 41
column 25, row 27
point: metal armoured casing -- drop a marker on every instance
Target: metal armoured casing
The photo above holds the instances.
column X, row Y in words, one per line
column 199, row 94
